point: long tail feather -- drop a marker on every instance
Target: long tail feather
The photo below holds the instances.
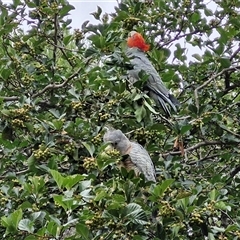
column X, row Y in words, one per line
column 174, row 100
column 164, row 106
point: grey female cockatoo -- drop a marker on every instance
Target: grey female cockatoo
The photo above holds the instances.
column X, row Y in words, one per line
column 157, row 90
column 137, row 158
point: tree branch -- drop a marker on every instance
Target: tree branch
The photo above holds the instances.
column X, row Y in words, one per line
column 229, row 107
column 235, row 53
column 55, row 42
column 209, row 80
column 56, row 86
column 230, row 88
column 177, row 37
column 198, row 145
column 233, row 174
column 47, row 88
column 204, row 159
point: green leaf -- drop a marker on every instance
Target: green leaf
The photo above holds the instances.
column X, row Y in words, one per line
column 208, row 12
column 83, row 185
column 30, row 4
column 137, row 97
column 140, row 113
column 54, row 112
column 168, row 76
column 197, row 56
column 150, row 107
column 214, row 194
column 219, row 50
column 89, row 147
column 223, row 36
column 59, row 179
column 98, row 13
column 225, row 62
column 90, row 51
column 26, row 225
column 221, row 205
column 65, row 202
column 178, row 53
column 66, row 9
column 161, row 188
column 195, row 17
column 72, row 180
column 231, row 228
column 12, row 220
column 31, row 237
column 83, row 231
column 52, row 228
column 5, row 73
column 185, row 129
column 135, row 213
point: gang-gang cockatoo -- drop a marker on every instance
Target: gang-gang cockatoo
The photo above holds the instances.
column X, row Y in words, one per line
column 139, row 61
column 135, row 156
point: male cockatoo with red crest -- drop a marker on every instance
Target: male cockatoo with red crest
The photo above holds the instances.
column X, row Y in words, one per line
column 138, row 59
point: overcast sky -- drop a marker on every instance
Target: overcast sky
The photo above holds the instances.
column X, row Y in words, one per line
column 84, row 8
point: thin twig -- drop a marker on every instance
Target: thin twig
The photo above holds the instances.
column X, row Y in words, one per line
column 230, row 88
column 204, row 159
column 209, row 80
column 235, row 53
column 17, row 173
column 201, row 144
column 55, row 43
column 177, row 37
column 56, row 86
column 48, row 87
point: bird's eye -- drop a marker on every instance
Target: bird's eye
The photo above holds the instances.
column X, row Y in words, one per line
column 114, row 144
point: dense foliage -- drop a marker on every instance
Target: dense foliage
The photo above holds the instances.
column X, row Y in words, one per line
column 58, row 91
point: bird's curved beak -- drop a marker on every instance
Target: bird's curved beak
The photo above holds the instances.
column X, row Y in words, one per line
column 131, row 33
column 109, row 146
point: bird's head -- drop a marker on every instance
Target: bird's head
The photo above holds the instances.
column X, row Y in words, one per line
column 135, row 39
column 117, row 139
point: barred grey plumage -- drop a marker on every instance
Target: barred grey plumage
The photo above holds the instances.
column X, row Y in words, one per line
column 137, row 159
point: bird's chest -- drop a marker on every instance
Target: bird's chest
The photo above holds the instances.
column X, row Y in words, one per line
column 129, row 165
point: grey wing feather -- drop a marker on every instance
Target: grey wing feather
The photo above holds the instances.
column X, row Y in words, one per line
column 140, row 157
column 158, row 90
column 141, row 62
